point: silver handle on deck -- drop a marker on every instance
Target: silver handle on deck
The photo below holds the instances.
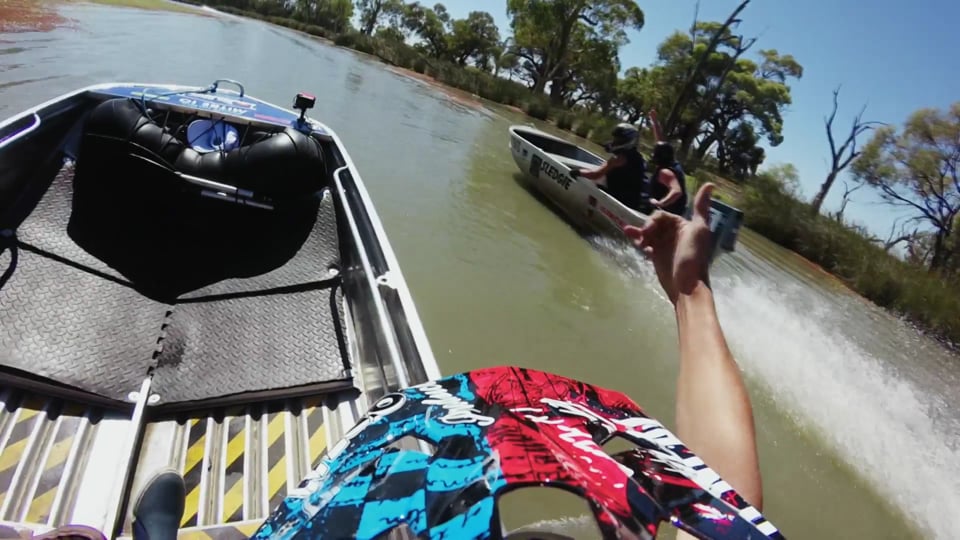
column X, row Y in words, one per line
column 21, row 133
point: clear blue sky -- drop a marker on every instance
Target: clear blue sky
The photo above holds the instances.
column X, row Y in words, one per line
column 896, row 57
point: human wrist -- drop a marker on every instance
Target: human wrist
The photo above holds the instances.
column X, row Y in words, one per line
column 697, row 322
column 698, row 295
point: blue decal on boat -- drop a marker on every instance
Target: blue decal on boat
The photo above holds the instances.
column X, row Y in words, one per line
column 452, row 474
column 352, row 477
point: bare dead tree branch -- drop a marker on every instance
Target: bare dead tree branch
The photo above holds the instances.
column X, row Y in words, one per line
column 891, row 196
column 842, row 157
column 898, row 234
column 672, row 119
column 696, row 17
column 848, row 189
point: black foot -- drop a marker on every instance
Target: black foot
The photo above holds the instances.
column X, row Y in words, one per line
column 159, row 508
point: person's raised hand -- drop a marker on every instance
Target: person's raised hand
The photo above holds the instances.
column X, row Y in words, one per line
column 679, row 249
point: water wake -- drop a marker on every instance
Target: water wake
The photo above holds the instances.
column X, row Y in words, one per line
column 582, row 526
column 878, row 424
column 893, row 433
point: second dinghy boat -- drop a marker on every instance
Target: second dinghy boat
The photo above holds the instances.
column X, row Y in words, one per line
column 546, row 160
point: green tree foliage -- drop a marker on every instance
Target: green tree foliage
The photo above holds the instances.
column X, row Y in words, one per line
column 270, row 8
column 372, row 12
column 921, row 247
column 728, row 89
column 739, row 154
column 547, row 34
column 701, row 52
column 476, row 37
column 637, row 93
column 777, row 67
column 331, row 14
column 590, row 76
column 754, row 93
column 506, row 61
column 430, row 25
column 390, row 34
column 917, row 170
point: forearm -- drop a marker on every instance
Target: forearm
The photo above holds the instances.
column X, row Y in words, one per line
column 714, row 415
column 672, row 196
column 592, row 175
column 657, row 133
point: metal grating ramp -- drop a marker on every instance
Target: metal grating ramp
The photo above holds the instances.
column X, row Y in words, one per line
column 63, row 464
column 55, row 458
column 238, row 463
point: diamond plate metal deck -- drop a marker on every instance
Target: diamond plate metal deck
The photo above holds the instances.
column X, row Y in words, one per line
column 68, row 317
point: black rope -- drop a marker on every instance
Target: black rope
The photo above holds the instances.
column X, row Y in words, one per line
column 29, row 248
column 8, row 240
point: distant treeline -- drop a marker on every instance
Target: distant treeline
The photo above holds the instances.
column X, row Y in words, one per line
column 715, row 103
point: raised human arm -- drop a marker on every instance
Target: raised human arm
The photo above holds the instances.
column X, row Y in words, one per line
column 714, row 414
column 655, row 125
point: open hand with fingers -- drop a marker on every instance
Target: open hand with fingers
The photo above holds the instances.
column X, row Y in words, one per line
column 679, row 249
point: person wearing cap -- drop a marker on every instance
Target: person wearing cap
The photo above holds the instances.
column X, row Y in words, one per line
column 625, row 171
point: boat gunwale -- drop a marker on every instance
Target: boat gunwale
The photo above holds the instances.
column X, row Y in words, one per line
column 518, row 129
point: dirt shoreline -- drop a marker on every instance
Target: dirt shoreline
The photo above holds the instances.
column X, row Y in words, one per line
column 18, row 16
column 459, row 96
column 29, row 16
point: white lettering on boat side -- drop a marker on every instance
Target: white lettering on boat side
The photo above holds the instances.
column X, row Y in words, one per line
column 210, row 106
column 555, row 174
column 458, row 410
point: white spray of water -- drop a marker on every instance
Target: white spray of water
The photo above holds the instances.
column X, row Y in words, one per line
column 787, row 337
column 878, row 424
column 579, row 527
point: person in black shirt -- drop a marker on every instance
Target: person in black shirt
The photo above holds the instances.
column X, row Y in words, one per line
column 625, row 171
column 668, row 186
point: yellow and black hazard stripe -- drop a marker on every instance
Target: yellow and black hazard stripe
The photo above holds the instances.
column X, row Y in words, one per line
column 193, row 469
column 316, row 431
column 14, row 439
column 233, row 477
column 276, row 459
column 238, row 463
column 53, row 468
